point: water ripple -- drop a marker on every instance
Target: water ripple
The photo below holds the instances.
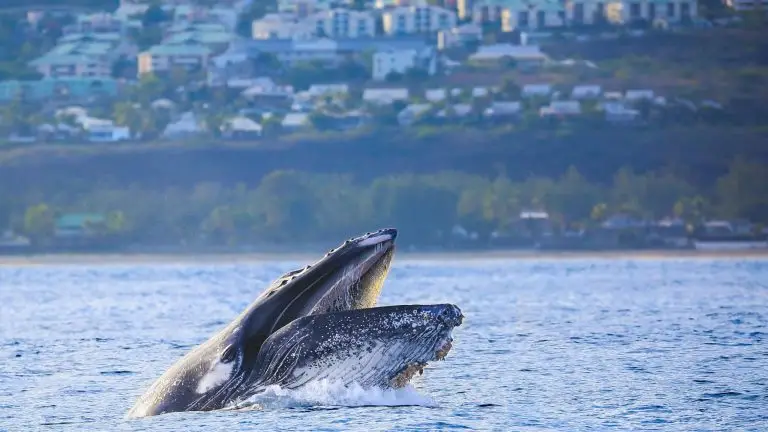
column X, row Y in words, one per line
column 631, row 344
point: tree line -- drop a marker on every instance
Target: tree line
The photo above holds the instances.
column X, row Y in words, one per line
column 298, row 207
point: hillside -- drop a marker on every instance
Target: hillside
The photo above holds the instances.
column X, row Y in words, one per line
column 700, row 153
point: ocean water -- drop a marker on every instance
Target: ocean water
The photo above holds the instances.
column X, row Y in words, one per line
column 546, row 344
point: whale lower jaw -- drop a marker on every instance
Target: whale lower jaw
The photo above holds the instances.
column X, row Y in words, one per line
column 372, row 348
column 411, row 369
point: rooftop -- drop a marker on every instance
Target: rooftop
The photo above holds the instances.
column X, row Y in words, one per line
column 179, row 49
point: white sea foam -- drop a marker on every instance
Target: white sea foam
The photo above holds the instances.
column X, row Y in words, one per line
column 325, row 393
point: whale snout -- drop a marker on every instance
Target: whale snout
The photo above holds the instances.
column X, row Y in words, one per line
column 449, row 315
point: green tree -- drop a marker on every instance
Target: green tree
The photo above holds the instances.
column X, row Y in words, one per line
column 743, row 192
column 39, row 223
column 287, row 204
column 126, row 114
column 573, row 196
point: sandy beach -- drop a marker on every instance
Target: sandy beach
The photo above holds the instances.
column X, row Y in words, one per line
column 245, row 257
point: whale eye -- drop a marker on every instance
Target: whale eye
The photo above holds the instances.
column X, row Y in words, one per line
column 229, row 354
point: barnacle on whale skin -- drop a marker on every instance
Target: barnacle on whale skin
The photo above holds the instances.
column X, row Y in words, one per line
column 443, row 350
column 404, row 377
column 410, row 370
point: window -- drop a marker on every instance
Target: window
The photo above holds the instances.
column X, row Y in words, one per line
column 443, row 21
column 599, row 12
column 670, row 10
column 541, row 19
column 578, row 13
column 634, row 10
column 651, row 11
column 685, row 10
column 401, row 24
column 522, row 19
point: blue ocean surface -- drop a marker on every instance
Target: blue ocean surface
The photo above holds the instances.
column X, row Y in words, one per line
column 547, row 344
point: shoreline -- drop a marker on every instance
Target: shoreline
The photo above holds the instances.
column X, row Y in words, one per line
column 220, row 258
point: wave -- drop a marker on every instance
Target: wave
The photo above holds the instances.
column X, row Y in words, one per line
column 330, row 394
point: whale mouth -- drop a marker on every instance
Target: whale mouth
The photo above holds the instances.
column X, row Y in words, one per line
column 361, row 266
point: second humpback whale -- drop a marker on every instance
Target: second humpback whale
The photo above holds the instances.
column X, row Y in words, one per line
column 315, row 323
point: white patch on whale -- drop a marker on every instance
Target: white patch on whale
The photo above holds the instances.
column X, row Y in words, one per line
column 217, row 374
column 374, row 240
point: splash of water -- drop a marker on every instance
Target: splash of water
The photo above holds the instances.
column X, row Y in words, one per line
column 325, row 393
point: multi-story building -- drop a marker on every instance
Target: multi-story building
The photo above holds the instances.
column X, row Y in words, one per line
column 536, row 14
column 98, row 23
column 69, row 88
column 336, row 23
column 83, row 55
column 343, row 23
column 418, row 19
column 670, row 11
column 305, row 8
column 281, row 26
column 161, row 58
column 531, row 15
column 746, row 5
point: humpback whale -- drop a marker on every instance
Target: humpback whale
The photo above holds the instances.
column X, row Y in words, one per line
column 314, row 323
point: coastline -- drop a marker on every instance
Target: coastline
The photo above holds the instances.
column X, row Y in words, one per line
column 222, row 258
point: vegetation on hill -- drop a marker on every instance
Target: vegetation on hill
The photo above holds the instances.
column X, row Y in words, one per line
column 289, row 205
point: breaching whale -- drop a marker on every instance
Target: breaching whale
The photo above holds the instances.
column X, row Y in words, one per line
column 314, row 323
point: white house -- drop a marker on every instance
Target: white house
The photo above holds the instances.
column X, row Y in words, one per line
column 295, row 121
column 561, row 108
column 478, row 92
column 268, row 90
column 586, row 92
column 617, row 112
column 636, row 95
column 503, row 109
column 409, row 114
column 456, row 110
column 435, row 95
column 103, row 130
column 318, row 90
column 240, row 127
column 532, row 90
column 384, row 96
column 418, row 19
column 186, row 125
column 529, row 54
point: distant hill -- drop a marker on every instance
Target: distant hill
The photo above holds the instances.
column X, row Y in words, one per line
column 700, row 154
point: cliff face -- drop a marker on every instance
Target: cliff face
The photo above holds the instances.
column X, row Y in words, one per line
column 700, row 153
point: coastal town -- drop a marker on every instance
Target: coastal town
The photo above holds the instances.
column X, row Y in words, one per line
column 242, row 70
column 254, row 73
